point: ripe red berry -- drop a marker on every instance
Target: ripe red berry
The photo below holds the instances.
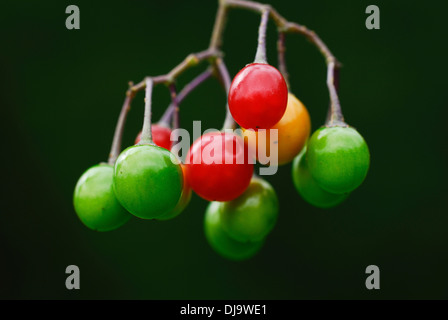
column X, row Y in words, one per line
column 218, row 167
column 160, row 135
column 258, row 96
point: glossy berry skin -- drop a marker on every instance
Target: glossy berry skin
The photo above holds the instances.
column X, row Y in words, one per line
column 251, row 216
column 160, row 135
column 148, row 181
column 183, row 201
column 95, row 202
column 258, row 96
column 221, row 242
column 308, row 188
column 217, row 166
column 338, row 159
column 293, row 131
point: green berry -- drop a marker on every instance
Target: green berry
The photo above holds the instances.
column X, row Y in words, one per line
column 338, row 159
column 308, row 187
column 251, row 216
column 148, row 181
column 95, row 202
column 181, row 204
column 221, row 242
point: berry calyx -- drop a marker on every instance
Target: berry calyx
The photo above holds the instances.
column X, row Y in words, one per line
column 251, row 216
column 221, row 242
column 148, row 181
column 293, row 131
column 161, row 135
column 338, row 158
column 95, row 202
column 218, row 167
column 183, row 201
column 308, row 188
column 258, row 96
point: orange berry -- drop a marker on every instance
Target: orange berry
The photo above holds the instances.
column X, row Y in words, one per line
column 293, row 131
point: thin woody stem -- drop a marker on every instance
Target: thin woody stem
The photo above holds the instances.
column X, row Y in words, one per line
column 176, row 120
column 281, row 49
column 213, row 54
column 292, row 27
column 190, row 61
column 175, row 104
column 251, row 5
column 260, row 56
column 336, row 117
column 220, row 23
column 165, row 119
column 336, row 85
column 333, row 65
column 146, row 131
column 118, row 134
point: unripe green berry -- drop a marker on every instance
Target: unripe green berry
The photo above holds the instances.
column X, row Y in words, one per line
column 338, row 159
column 251, row 216
column 148, row 181
column 95, row 202
column 219, row 239
column 308, row 187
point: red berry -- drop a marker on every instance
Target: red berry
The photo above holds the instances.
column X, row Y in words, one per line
column 218, row 167
column 258, row 96
column 160, row 135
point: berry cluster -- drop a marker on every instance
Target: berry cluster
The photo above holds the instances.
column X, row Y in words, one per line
column 149, row 181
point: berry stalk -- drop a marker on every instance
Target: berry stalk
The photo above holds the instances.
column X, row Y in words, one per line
column 336, row 117
column 146, row 131
column 118, row 134
column 281, row 49
column 174, row 103
column 260, row 56
column 332, row 67
column 284, row 26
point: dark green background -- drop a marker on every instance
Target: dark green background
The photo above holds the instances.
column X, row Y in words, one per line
column 61, row 91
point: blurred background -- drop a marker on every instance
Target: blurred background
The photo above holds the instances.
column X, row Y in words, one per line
column 60, row 95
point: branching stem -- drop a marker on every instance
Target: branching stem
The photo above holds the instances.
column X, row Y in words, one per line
column 190, row 61
column 165, row 119
column 284, row 26
column 213, row 54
